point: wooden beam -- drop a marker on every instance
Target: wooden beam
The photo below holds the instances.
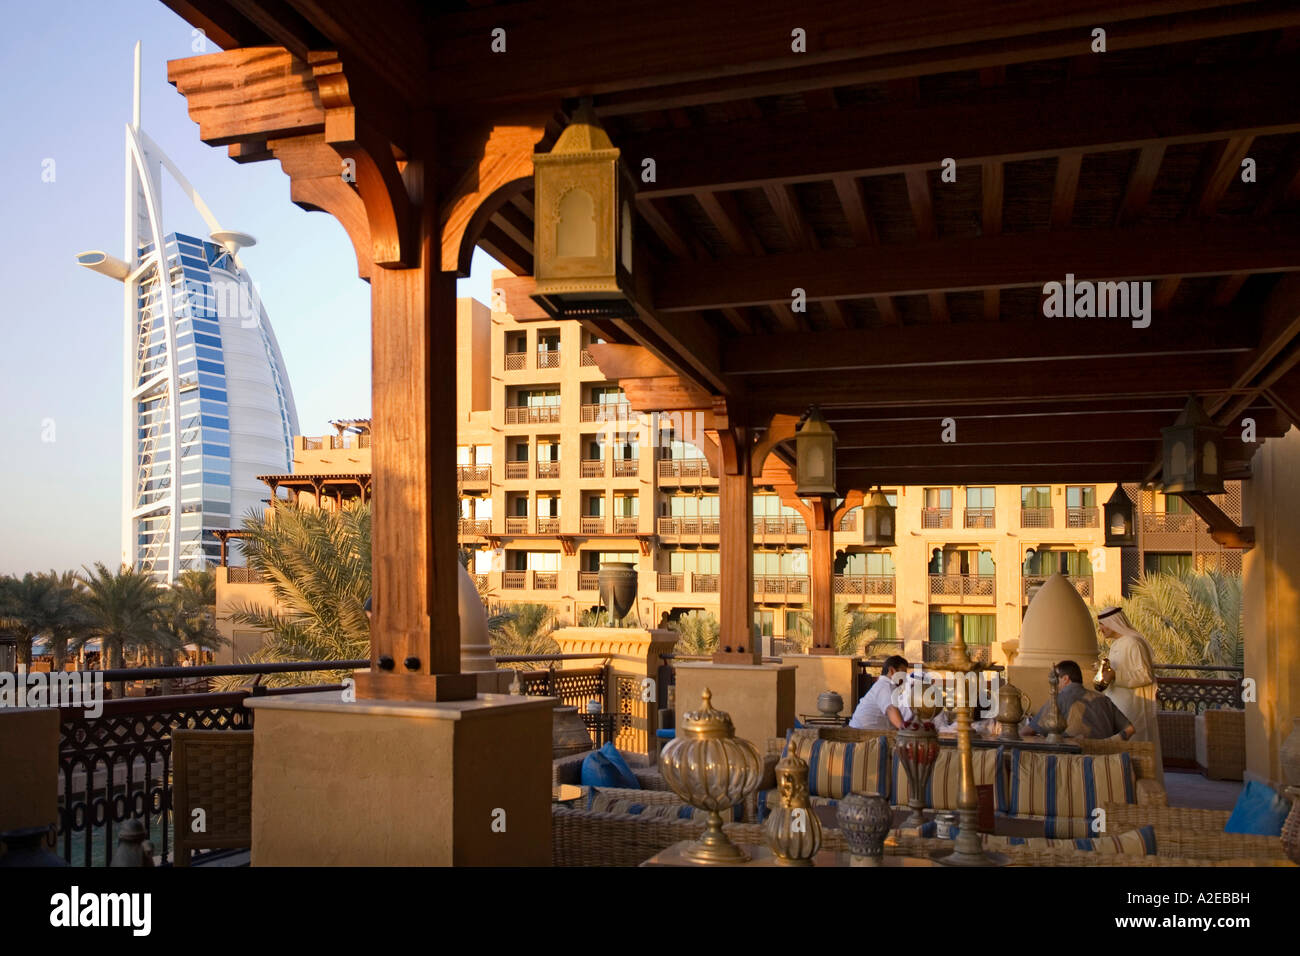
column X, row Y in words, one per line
column 1223, row 529
column 849, row 191
column 957, row 264
column 1134, row 451
column 1065, row 188
column 1101, row 113
column 950, row 474
column 992, row 183
column 918, row 195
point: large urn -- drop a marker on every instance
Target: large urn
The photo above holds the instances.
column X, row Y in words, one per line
column 616, row 582
column 865, row 819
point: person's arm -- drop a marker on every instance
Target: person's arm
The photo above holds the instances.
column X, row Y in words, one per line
column 895, row 717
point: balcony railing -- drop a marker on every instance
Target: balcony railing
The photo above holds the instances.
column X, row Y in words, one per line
column 938, row 652
column 1035, row 517
column 704, row 583
column 669, row 581
column 780, row 584
column 780, row 526
column 849, row 522
column 546, row 580
column 590, row 524
column 585, row 358
column 979, row 517
column 593, row 468
column 548, row 469
column 516, row 360
column 1082, row 583
column 683, row 468
column 1081, row 518
column 514, row 580
column 588, row 580
column 473, row 526
column 1165, row 522
column 677, row 527
column 548, row 358
column 626, row 467
column 516, row 525
column 1196, row 694
column 604, row 412
column 516, row 469
column 532, row 414
column 864, row 584
column 474, row 474
column 936, row 517
column 627, row 525
column 349, row 441
column 243, row 576
column 961, row 585
column 548, row 525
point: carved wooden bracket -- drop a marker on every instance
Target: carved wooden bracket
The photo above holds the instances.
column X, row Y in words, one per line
column 1223, row 529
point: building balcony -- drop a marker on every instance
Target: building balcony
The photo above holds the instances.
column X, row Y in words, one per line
column 676, row 470
column 588, row 580
column 516, row 469
column 849, row 522
column 532, row 414
column 243, row 576
column 514, row 580
column 675, row 530
column 530, row 580
column 962, row 588
column 546, row 580
column 474, row 474
column 1081, row 518
column 627, row 467
column 670, row 581
column 873, row 588
column 585, row 359
column 515, row 361
column 1166, row 523
column 782, row 529
column 979, row 518
column 704, row 583
column 470, row 527
column 780, row 587
column 604, row 412
column 593, row 524
column 548, row 358
column 936, row 517
column 548, row 525
column 548, row 469
column 1082, row 583
column 516, row 525
column 592, row 468
column 629, row 524
column 1035, row 517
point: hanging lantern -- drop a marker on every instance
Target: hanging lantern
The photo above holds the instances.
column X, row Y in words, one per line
column 878, row 521
column 1120, row 529
column 582, row 226
column 1191, row 452
column 815, row 457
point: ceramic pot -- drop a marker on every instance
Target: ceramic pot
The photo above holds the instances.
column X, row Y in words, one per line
column 568, row 733
column 1289, row 755
column 829, row 703
column 616, row 582
column 865, row 819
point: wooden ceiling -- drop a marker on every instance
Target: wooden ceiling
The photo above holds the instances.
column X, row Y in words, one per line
column 778, row 171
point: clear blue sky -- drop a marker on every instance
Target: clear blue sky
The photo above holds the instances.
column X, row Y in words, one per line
column 66, row 70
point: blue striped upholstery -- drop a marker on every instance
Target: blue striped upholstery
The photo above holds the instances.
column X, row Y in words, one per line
column 1064, row 789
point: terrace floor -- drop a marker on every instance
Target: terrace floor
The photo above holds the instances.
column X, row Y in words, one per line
column 1191, row 789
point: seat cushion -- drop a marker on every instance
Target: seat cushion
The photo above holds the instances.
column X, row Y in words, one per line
column 605, row 803
column 1260, row 809
column 607, row 768
column 1065, row 787
column 629, row 779
column 837, row 768
column 941, row 790
column 1139, row 842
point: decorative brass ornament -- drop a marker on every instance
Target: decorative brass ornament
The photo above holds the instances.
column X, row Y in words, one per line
column 712, row 769
column 583, row 220
column 815, row 457
column 1105, row 675
column 793, row 831
column 1053, row 722
column 1013, row 704
column 918, row 749
column 1191, row 452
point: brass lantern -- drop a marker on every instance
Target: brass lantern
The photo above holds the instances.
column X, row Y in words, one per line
column 582, row 225
column 1191, row 452
column 878, row 521
column 815, row 457
column 1120, row 529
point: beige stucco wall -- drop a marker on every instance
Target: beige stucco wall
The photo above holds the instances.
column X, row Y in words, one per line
column 1271, row 602
column 29, row 756
column 760, row 698
column 401, row 784
column 816, row 673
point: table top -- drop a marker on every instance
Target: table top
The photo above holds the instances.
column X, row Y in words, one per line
column 1040, row 744
column 762, row 856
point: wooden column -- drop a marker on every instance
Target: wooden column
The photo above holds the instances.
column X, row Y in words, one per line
column 736, row 643
column 821, row 545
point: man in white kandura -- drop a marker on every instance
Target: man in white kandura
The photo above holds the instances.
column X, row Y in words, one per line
column 1133, row 689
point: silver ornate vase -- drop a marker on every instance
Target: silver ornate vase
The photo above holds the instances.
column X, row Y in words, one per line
column 865, row 819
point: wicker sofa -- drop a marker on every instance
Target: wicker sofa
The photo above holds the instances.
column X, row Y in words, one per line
column 1195, row 834
column 1221, row 744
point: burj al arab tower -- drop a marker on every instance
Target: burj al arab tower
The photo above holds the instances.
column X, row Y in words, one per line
column 206, row 404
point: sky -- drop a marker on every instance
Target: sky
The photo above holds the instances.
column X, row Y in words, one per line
column 66, row 68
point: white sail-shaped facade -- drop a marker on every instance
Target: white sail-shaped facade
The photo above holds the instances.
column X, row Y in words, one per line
column 208, row 405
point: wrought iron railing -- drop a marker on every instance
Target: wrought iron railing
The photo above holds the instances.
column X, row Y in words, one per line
column 1197, row 694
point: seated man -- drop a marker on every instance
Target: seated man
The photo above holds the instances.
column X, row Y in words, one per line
column 878, row 710
column 1086, row 712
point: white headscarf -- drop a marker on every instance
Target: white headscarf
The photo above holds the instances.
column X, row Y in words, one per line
column 1113, row 619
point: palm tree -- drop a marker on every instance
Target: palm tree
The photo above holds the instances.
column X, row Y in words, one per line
column 124, row 609
column 848, row 628
column 1193, row 618
column 697, row 634
column 317, row 563
column 45, row 604
column 189, row 616
column 525, row 632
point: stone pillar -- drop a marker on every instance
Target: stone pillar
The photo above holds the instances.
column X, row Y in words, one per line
column 29, row 754
column 822, row 672
column 634, row 657
column 401, row 783
column 1271, row 602
column 759, row 697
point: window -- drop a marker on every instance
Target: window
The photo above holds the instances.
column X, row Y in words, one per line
column 1157, row 563
column 548, row 341
column 763, row 621
column 483, row 454
column 548, row 506
column 596, row 506
column 1047, row 562
column 1036, row 496
column 938, row 498
column 872, row 562
column 538, row 398
column 976, row 628
column 548, row 451
column 980, row 497
column 689, row 506
column 1080, row 496
column 592, row 560
column 1171, row 504
column 606, row 395
column 626, row 506
column 462, row 454
column 882, row 626
column 697, row 562
column 521, row 506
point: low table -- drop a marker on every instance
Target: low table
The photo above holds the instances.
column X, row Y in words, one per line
column 762, row 856
column 1039, row 744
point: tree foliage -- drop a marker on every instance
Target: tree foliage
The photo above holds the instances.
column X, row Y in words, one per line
column 1192, row 618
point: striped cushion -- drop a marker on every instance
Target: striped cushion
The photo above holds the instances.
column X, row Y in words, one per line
column 837, row 768
column 1065, row 787
column 1139, row 842
column 606, row 803
column 941, row 791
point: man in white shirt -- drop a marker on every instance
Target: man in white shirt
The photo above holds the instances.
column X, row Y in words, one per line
column 878, row 708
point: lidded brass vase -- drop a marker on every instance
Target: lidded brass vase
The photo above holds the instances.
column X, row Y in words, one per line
column 793, row 831
column 712, row 769
column 1013, row 704
column 1053, row 722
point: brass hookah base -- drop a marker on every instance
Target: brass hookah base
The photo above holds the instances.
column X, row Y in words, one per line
column 714, row 847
